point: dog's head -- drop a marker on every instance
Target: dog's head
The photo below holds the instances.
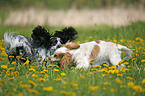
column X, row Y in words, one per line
column 63, row 55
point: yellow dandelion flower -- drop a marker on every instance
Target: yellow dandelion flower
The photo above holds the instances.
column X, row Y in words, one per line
column 32, row 91
column 130, row 84
column 93, row 88
column 18, row 57
column 106, row 65
column 57, row 79
column 34, row 75
column 63, row 74
column 130, row 78
column 45, row 70
column 126, row 63
column 112, row 90
column 143, row 81
column 4, row 66
column 74, row 84
column 24, row 86
column 106, row 83
column 72, row 67
column 63, row 92
column 122, row 40
column 137, row 88
column 42, row 80
column 11, row 56
column 49, row 88
column 143, row 60
column 86, row 41
column 98, row 66
column 119, row 75
column 56, row 70
column 90, row 37
column 32, row 69
column 33, row 84
column 123, row 86
column 91, row 63
column 117, row 80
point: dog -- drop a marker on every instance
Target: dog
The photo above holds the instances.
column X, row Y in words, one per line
column 97, row 51
column 40, row 46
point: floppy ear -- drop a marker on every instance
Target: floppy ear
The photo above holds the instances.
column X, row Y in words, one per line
column 66, row 60
column 71, row 45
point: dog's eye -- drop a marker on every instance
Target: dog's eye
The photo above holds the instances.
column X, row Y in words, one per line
column 55, row 55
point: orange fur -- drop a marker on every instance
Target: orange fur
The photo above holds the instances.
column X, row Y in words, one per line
column 65, row 60
column 94, row 52
column 71, row 45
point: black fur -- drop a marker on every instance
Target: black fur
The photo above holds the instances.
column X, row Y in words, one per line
column 66, row 34
column 41, row 37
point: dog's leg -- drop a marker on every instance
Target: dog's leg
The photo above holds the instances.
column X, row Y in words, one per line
column 83, row 64
column 115, row 59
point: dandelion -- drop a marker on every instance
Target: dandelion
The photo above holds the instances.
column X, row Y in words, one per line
column 72, row 68
column 137, row 88
column 32, row 69
column 57, row 79
column 32, row 83
column 32, row 91
column 117, row 80
column 34, row 75
column 26, row 63
column 112, row 90
column 122, row 40
column 133, row 59
column 106, row 65
column 130, row 84
column 119, row 75
column 126, row 63
column 106, row 83
column 4, row 66
column 90, row 37
column 13, row 62
column 24, row 86
column 42, row 80
column 143, row 60
column 98, row 66
column 74, row 84
column 93, row 88
column 129, row 78
column 143, row 81
column 63, row 92
column 91, row 63
column 63, row 74
column 56, row 70
column 123, row 86
column 49, row 88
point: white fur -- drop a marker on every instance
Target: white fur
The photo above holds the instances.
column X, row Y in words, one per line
column 109, row 52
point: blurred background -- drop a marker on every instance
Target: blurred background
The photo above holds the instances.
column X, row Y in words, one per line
column 71, row 12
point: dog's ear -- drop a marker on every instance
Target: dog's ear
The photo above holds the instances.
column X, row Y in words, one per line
column 66, row 60
column 66, row 34
column 71, row 45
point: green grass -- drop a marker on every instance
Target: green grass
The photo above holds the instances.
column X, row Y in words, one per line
column 32, row 80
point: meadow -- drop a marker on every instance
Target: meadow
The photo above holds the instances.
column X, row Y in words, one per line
column 29, row 79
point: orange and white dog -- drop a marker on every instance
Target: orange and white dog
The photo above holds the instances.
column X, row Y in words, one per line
column 97, row 51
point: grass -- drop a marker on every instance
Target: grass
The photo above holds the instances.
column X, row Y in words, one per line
column 30, row 79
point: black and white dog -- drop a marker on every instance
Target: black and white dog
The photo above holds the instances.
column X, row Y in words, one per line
column 42, row 45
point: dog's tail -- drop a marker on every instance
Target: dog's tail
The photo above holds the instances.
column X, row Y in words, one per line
column 8, row 39
column 127, row 51
column 66, row 34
